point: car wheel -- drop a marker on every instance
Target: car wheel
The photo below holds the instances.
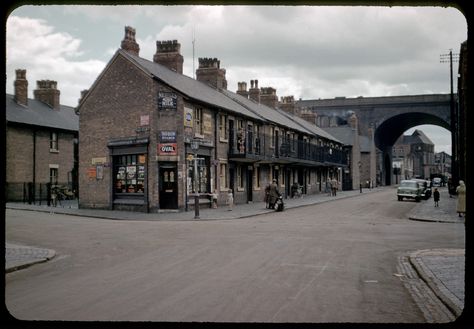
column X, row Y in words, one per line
column 400, row 198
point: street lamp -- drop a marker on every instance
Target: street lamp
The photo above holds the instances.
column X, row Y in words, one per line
column 195, row 147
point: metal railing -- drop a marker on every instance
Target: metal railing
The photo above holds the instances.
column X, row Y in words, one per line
column 38, row 193
column 294, row 150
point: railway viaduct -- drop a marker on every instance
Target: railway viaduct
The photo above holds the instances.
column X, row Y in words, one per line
column 388, row 117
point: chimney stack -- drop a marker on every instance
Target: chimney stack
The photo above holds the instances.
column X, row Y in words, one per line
column 21, row 88
column 242, row 89
column 308, row 115
column 269, row 97
column 209, row 72
column 47, row 93
column 168, row 53
column 287, row 104
column 254, row 91
column 128, row 43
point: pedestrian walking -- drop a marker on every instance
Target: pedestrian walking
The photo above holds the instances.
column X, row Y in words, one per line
column 267, row 196
column 450, row 187
column 273, row 194
column 230, row 200
column 436, row 197
column 328, row 188
column 334, row 186
column 461, row 192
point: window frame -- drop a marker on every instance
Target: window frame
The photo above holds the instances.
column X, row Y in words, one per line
column 53, row 142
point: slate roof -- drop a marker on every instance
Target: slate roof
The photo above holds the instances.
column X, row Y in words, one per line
column 224, row 99
column 264, row 111
column 190, row 87
column 418, row 137
column 39, row 114
column 312, row 127
column 344, row 133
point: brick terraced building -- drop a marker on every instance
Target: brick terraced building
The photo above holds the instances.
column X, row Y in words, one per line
column 143, row 124
column 41, row 141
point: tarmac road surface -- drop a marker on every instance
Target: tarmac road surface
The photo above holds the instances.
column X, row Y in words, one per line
column 331, row 262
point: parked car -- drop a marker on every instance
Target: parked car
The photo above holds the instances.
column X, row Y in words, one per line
column 410, row 189
column 426, row 186
column 437, row 181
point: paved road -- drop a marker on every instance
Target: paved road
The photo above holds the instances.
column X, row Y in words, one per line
column 330, row 262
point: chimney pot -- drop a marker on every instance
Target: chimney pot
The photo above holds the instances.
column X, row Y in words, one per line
column 209, row 71
column 21, row 87
column 168, row 53
column 129, row 43
column 47, row 93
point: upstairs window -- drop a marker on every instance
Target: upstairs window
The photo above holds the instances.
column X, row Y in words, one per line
column 53, row 142
column 223, row 127
column 198, row 121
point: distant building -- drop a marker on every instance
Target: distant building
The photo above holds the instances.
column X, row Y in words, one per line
column 442, row 164
column 416, row 153
column 361, row 169
column 41, row 141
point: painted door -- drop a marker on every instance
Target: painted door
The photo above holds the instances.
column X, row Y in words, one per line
column 168, row 186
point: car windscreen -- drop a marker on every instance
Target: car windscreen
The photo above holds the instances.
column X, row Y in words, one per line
column 409, row 184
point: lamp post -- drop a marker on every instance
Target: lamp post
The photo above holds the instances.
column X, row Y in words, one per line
column 195, row 147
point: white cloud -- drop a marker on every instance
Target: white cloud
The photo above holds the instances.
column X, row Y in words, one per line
column 34, row 45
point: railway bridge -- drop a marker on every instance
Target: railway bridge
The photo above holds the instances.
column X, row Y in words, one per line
column 387, row 117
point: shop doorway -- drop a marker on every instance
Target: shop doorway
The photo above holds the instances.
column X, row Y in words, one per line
column 250, row 184
column 168, row 186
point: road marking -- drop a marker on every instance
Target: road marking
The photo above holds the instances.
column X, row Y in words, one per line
column 292, row 298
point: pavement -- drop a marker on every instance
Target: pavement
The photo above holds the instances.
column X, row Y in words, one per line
column 442, row 270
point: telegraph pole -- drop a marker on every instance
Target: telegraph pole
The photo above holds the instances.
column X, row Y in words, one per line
column 445, row 58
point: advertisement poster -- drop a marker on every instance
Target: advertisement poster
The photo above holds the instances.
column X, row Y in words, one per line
column 167, row 101
column 188, row 117
column 167, row 149
column 207, row 124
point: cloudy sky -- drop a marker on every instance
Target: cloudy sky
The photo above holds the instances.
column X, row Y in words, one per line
column 308, row 52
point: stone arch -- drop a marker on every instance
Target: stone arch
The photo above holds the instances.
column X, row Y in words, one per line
column 388, row 131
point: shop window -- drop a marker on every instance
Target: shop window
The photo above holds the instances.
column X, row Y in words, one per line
column 129, row 173
column 203, row 173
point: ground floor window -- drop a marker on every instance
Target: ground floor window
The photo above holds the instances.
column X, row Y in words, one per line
column 53, row 176
column 203, row 183
column 129, row 173
column 223, row 176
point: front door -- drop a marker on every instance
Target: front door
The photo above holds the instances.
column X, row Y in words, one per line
column 249, row 184
column 168, row 186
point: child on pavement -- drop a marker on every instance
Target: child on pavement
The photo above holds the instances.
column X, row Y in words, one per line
column 436, row 197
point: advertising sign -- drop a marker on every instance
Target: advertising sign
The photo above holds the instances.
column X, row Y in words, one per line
column 167, row 101
column 167, row 136
column 207, row 124
column 188, row 117
column 167, row 149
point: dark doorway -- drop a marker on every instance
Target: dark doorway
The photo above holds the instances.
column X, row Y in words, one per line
column 168, row 186
column 249, row 184
column 231, row 179
column 387, row 169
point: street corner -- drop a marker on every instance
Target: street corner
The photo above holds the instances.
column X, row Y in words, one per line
column 443, row 271
column 18, row 256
